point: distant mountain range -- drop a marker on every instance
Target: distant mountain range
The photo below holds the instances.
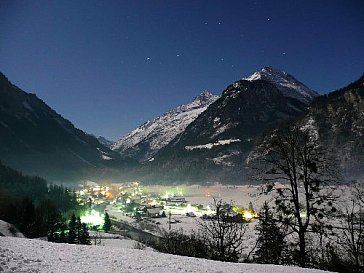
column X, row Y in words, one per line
column 36, row 140
column 215, row 145
column 143, row 142
column 207, row 140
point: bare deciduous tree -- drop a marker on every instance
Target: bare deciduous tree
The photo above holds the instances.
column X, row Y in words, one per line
column 224, row 234
column 291, row 158
column 352, row 236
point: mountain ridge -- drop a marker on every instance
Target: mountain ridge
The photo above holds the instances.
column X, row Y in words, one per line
column 215, row 145
column 288, row 84
column 144, row 141
column 37, row 140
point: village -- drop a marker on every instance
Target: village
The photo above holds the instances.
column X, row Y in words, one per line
column 156, row 208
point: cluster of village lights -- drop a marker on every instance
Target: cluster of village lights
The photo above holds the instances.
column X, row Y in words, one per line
column 93, row 218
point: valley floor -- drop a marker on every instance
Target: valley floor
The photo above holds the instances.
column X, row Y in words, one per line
column 25, row 255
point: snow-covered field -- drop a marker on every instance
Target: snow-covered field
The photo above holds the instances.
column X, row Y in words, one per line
column 239, row 195
column 195, row 194
column 204, row 195
column 114, row 240
column 118, row 254
column 25, row 255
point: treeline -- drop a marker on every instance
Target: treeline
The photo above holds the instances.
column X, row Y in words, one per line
column 75, row 232
column 218, row 238
column 34, row 207
column 302, row 224
column 222, row 238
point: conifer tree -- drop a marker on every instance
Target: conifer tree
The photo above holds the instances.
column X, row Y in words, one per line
column 79, row 230
column 107, row 222
column 84, row 236
column 72, row 232
column 62, row 237
column 27, row 216
column 270, row 244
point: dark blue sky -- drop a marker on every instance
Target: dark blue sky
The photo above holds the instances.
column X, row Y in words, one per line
column 110, row 65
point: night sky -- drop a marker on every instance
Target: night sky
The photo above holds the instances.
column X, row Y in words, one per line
column 108, row 66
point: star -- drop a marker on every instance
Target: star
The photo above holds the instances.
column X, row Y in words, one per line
column 148, row 58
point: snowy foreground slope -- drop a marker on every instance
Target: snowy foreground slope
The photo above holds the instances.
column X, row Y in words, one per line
column 25, row 255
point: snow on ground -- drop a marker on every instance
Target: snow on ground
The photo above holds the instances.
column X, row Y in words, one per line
column 9, row 230
column 211, row 145
column 25, row 255
column 239, row 195
column 114, row 240
column 204, row 195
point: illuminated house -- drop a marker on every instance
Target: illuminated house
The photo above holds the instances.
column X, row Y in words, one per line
column 153, row 212
column 177, row 201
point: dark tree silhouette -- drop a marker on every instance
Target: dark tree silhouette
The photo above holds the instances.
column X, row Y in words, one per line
column 107, row 222
column 84, row 236
column 270, row 243
column 291, row 156
column 223, row 235
column 72, row 230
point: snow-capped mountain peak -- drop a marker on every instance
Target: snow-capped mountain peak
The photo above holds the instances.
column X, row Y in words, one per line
column 143, row 142
column 205, row 97
column 285, row 82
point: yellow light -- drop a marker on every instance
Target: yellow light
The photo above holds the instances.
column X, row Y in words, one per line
column 248, row 215
column 153, row 203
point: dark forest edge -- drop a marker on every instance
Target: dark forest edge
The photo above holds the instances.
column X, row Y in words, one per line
column 39, row 209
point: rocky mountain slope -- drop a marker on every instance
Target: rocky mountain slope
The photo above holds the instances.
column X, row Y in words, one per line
column 36, row 140
column 285, row 83
column 105, row 142
column 215, row 145
column 143, row 142
column 339, row 120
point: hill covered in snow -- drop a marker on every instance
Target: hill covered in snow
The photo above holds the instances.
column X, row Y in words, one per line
column 285, row 82
column 25, row 255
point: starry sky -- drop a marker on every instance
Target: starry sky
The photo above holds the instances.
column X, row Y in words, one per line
column 109, row 66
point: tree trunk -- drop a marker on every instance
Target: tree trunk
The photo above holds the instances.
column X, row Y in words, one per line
column 302, row 251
